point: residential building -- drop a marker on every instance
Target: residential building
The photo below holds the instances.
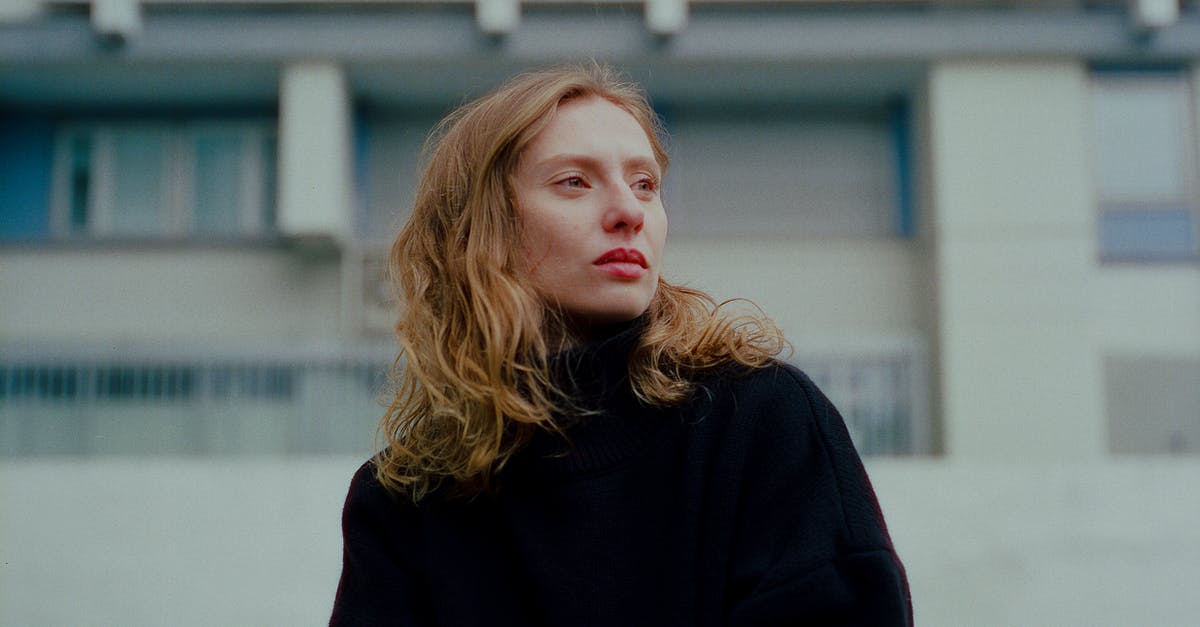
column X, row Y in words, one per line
column 977, row 222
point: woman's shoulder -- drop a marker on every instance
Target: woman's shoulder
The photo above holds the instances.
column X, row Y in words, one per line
column 365, row 487
column 776, row 383
column 367, row 497
column 775, row 406
column 364, row 478
column 789, row 431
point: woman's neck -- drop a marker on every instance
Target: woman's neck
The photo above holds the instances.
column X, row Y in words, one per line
column 565, row 333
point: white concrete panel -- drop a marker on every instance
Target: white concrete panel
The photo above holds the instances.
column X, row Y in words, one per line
column 1014, row 255
column 811, row 287
column 315, row 157
column 171, row 541
column 1152, row 308
column 166, row 294
column 1011, row 145
column 1037, row 279
column 1021, row 393
column 1114, row 543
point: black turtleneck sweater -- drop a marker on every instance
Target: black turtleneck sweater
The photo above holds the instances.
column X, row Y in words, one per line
column 746, row 505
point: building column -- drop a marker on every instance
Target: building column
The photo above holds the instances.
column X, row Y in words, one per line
column 1014, row 251
column 315, row 155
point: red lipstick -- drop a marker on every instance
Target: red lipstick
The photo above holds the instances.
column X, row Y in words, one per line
column 625, row 263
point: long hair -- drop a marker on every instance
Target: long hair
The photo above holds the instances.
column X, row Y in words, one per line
column 472, row 381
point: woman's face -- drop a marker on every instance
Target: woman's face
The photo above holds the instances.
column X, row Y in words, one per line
column 587, row 193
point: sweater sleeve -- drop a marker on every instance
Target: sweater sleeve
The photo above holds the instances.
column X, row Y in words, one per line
column 811, row 546
column 380, row 582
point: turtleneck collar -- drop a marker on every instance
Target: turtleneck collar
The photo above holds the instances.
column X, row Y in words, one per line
column 594, row 370
column 613, row 425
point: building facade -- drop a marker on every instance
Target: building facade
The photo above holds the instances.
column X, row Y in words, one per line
column 977, row 222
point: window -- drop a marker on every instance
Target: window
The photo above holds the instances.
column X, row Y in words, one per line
column 788, row 171
column 147, row 179
column 1145, row 166
column 388, row 169
column 741, row 170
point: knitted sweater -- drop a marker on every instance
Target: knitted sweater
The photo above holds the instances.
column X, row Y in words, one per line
column 746, row 505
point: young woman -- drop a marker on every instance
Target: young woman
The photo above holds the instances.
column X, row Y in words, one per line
column 576, row 441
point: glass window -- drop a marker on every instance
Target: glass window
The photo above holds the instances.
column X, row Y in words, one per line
column 148, row 179
column 1146, row 181
column 1142, row 233
column 788, row 172
column 139, row 182
column 219, row 201
column 79, row 183
column 267, row 147
column 389, row 169
column 737, row 170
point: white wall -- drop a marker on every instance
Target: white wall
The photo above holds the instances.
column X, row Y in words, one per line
column 1147, row 308
column 170, row 541
column 1046, row 543
column 166, row 294
column 315, row 155
column 815, row 289
column 235, row 542
column 1014, row 241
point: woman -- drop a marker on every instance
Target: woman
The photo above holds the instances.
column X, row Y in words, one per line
column 574, row 440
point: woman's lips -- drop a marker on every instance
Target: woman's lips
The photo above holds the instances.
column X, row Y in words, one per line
column 625, row 263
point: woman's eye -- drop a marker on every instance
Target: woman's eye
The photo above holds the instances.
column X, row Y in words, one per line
column 646, row 185
column 572, row 181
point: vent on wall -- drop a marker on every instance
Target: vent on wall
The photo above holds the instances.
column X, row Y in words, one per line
column 369, row 306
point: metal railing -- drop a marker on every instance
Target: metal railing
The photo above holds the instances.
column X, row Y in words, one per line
column 259, row 402
column 882, row 394
column 187, row 402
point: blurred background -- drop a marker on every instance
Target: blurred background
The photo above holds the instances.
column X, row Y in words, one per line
column 977, row 221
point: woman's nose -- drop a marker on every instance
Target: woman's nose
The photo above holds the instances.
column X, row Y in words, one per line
column 624, row 211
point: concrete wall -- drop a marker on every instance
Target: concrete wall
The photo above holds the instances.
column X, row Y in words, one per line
column 170, row 541
column 1046, row 542
column 315, row 156
column 815, row 289
column 1151, row 308
column 164, row 293
column 234, row 542
column 1014, row 247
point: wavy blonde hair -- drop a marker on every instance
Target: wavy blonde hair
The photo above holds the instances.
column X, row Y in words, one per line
column 472, row 382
